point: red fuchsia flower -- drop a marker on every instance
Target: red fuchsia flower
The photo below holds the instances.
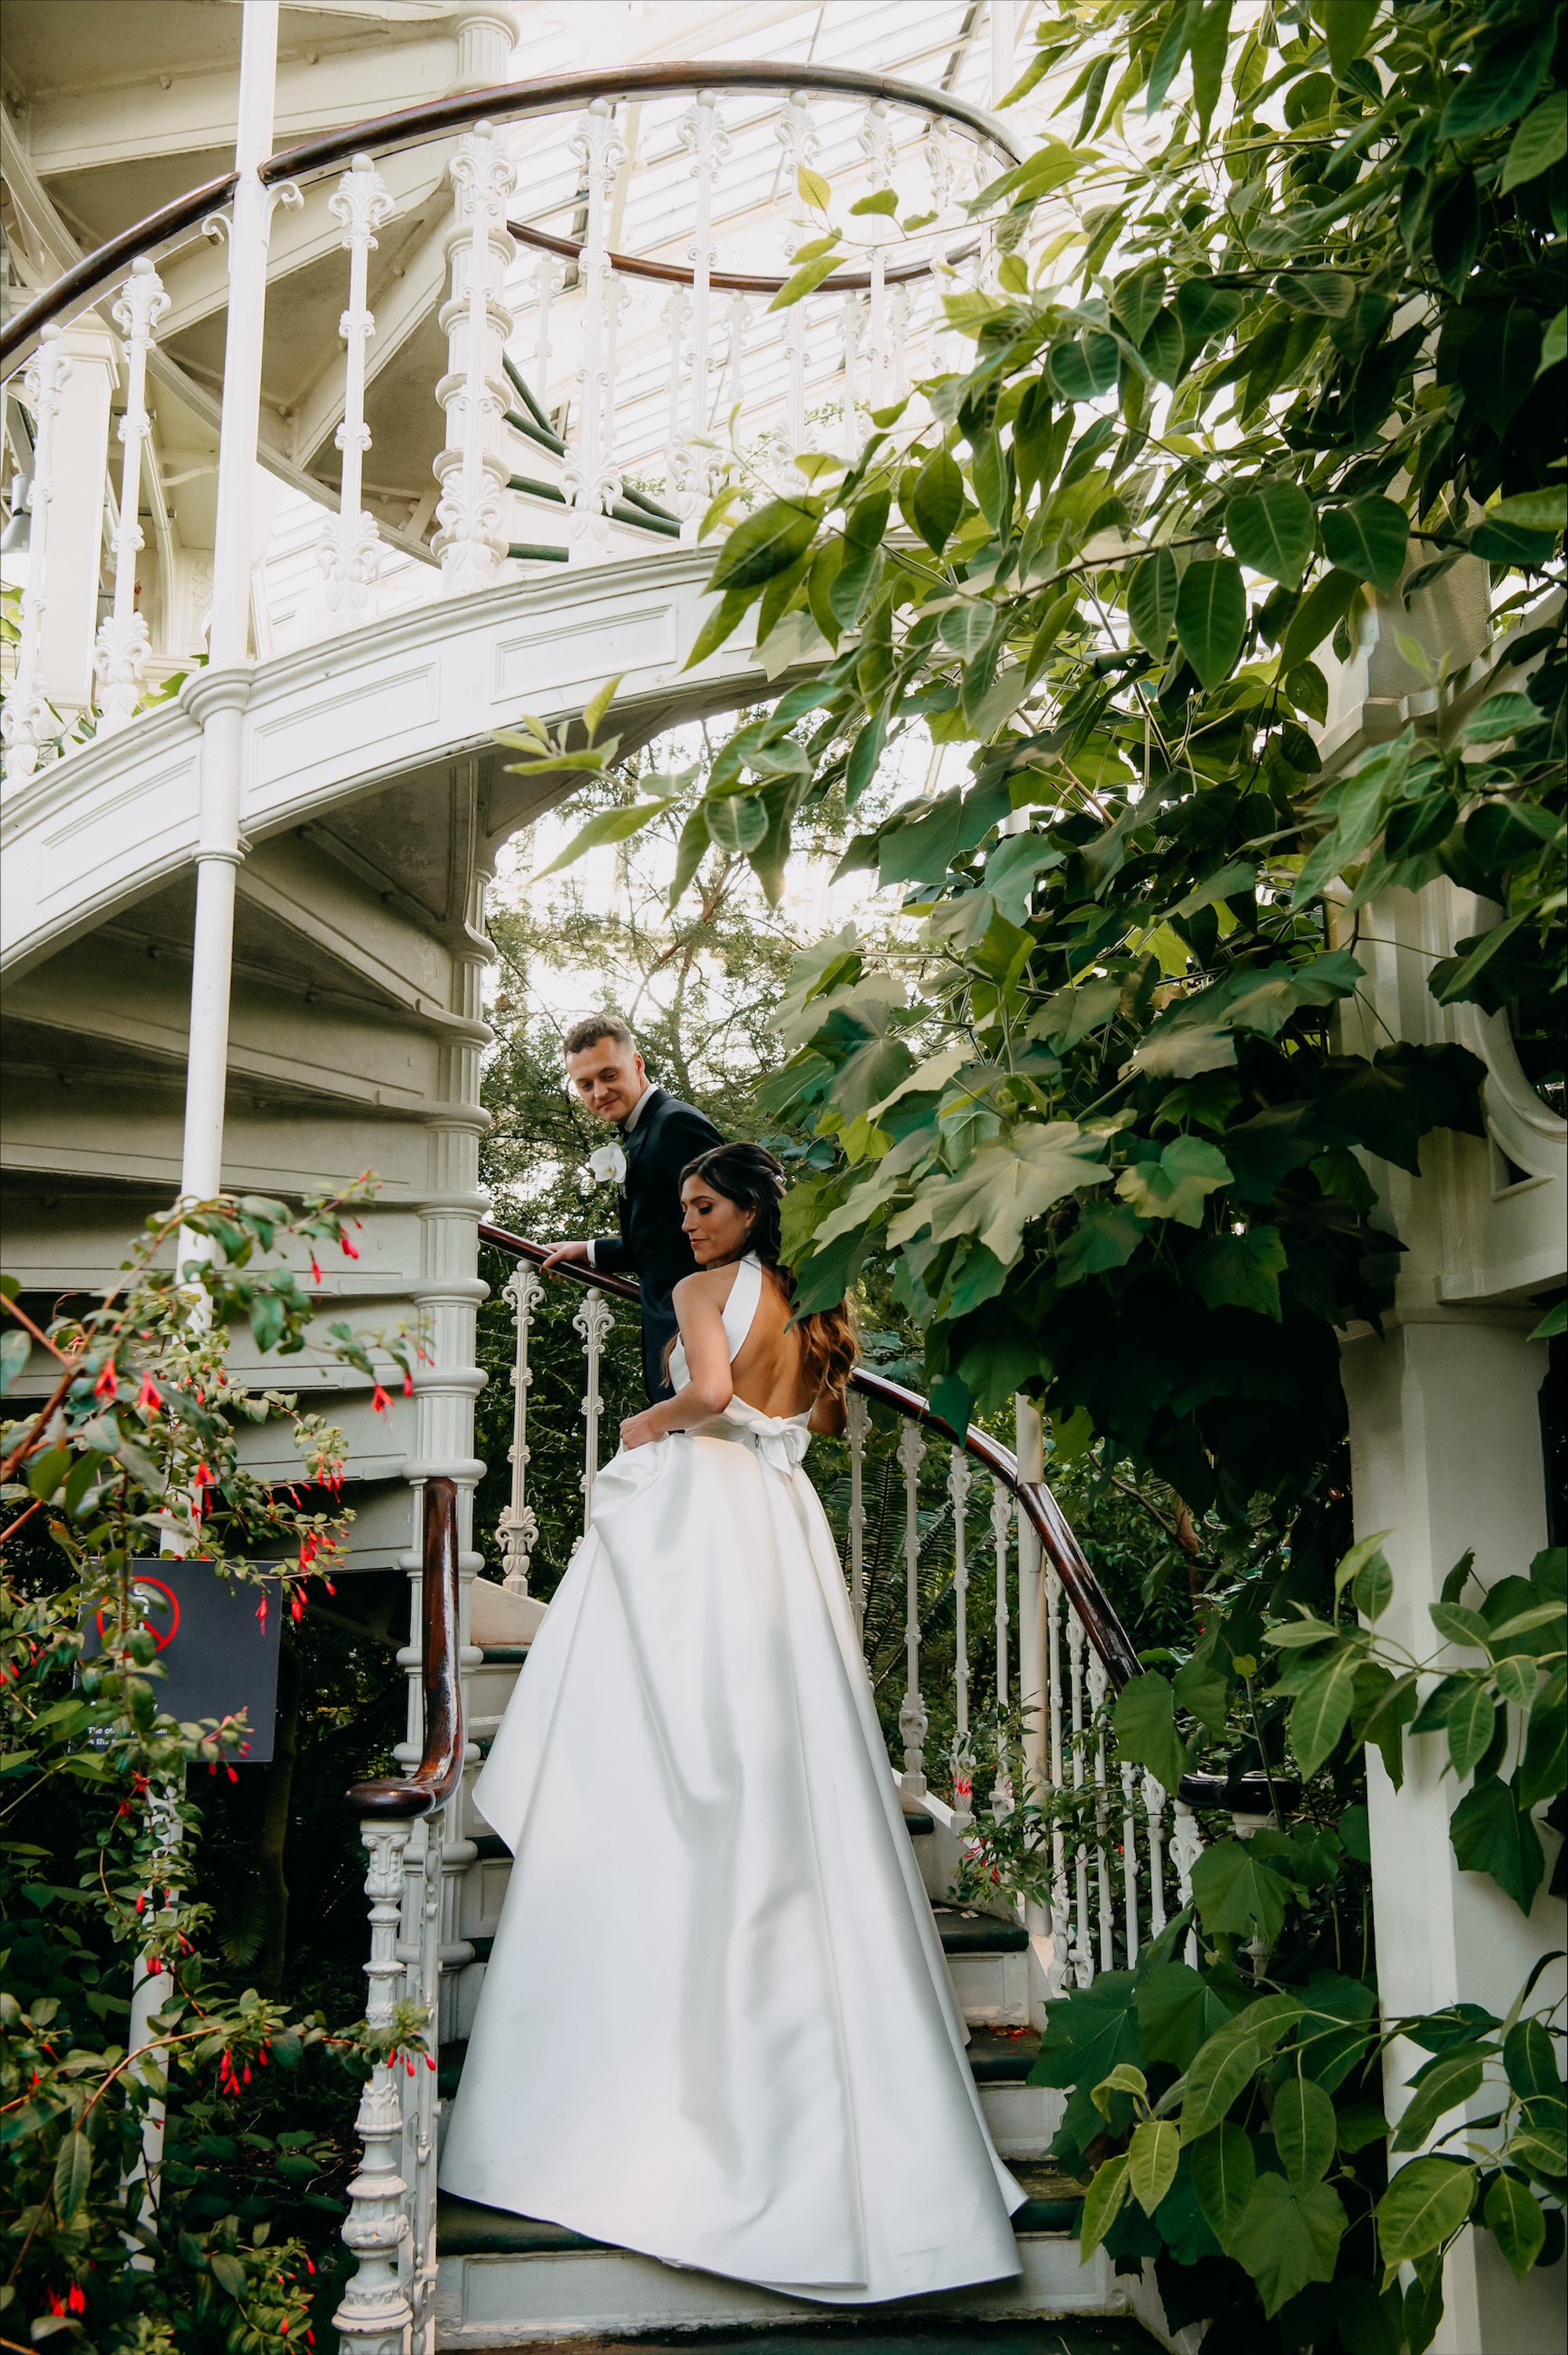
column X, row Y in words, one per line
column 76, row 2298
column 107, row 1386
column 316, row 1275
column 379, row 1400
column 261, row 1613
column 296, row 1608
column 407, row 1382
column 351, row 1250
column 149, row 1398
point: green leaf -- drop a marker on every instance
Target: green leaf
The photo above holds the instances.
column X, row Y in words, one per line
column 1145, row 1720
column 1304, row 2131
column 1368, row 539
column 1532, row 511
column 1004, row 1187
column 804, row 281
column 721, row 622
column 1211, row 616
column 1177, row 2013
column 1347, row 24
column 228, row 2273
column 937, row 500
column 1087, row 2033
column 597, row 707
column 765, row 543
column 1271, row 529
column 1442, row 2084
column 1512, row 2212
column 1202, row 1688
column 1491, row 1833
column 1153, row 2157
column 737, row 822
column 1501, row 83
column 1174, row 1186
column 1288, row 2238
column 1106, row 1235
column 1103, row 2203
column 1223, row 2173
column 610, row 825
column 880, row 200
column 1085, row 368
column 1325, row 604
column 1541, row 141
column 1321, row 1709
column 1372, row 1590
column 16, row 1347
column 1207, row 47
column 73, row 2173
column 1423, row 2207
column 1544, row 1766
column 1151, row 600
column 1471, row 1723
column 1232, row 1271
column 1234, row 1890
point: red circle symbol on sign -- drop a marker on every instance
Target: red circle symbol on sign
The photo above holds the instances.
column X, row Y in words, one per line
column 159, row 1608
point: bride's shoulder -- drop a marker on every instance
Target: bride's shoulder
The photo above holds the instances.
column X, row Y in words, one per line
column 711, row 1284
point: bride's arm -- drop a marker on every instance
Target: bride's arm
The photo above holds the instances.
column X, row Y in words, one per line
column 698, row 1302
column 828, row 1416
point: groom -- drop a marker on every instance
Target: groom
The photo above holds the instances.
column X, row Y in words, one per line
column 660, row 1134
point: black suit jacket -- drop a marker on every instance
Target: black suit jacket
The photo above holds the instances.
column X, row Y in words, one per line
column 650, row 1245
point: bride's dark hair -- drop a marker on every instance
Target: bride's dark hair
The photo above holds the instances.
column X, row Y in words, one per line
column 753, row 1179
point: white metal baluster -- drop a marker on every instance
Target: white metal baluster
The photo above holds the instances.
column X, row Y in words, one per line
column 737, row 311
column 421, row 2096
column 375, row 2312
column 704, row 137
column 1003, row 1793
column 960, row 1480
column 852, row 323
column 348, row 548
column 519, row 1526
column 26, row 723
column 798, row 136
column 879, row 146
column 1059, row 1907
column 676, row 312
column 856, row 1423
column 547, row 278
column 593, row 1321
column 914, row 1719
column 472, row 470
column 1129, row 1865
column 1082, row 1953
column 1186, row 1848
column 600, row 149
column 900, row 300
column 617, row 302
column 124, row 648
column 1153, row 1807
column 1097, row 1690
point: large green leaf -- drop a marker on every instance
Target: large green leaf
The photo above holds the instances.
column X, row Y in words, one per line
column 1423, row 2207
column 1085, row 368
column 1367, row 538
column 1544, row 1766
column 1541, row 141
column 1146, row 1729
column 1304, row 2131
column 1471, row 1723
column 1243, row 1270
column 1088, row 2033
column 1444, row 2081
column 1288, row 2238
column 1178, row 2010
column 1501, row 82
column 1004, row 1187
column 610, row 825
column 1153, row 2157
column 1175, row 1184
column 1492, row 1833
column 1271, row 528
column 1228, row 2061
column 73, row 2173
column 1223, row 2173
column 1347, row 24
column 1151, row 600
column 1325, row 603
column 937, row 500
column 1103, row 2203
column 1514, row 2218
column 765, row 543
column 1235, row 1890
column 1321, row 1709
column 1211, row 616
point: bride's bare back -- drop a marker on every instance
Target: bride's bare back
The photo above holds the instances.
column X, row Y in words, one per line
column 766, row 1374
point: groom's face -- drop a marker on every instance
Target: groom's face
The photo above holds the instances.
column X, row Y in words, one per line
column 609, row 1077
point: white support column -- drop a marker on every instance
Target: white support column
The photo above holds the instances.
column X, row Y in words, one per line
column 79, row 487
column 26, row 722
column 472, row 469
column 124, row 648
column 375, row 2315
column 348, row 548
column 217, row 697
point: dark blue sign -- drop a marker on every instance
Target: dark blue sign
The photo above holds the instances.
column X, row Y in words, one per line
column 217, row 1643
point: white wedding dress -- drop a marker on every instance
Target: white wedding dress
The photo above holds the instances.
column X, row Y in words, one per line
column 716, row 2026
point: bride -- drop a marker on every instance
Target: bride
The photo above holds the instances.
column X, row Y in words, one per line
column 716, row 2026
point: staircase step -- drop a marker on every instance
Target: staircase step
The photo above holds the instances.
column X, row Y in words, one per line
column 965, row 1933
column 504, row 1656
column 997, row 2056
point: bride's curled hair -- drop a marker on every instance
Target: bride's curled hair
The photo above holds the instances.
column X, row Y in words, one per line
column 753, row 1179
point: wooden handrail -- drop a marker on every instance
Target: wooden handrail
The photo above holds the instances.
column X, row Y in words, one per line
column 1242, row 1795
column 509, row 103
column 730, row 281
column 434, row 1779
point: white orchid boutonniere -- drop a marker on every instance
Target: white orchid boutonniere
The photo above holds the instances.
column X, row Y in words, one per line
column 605, row 1167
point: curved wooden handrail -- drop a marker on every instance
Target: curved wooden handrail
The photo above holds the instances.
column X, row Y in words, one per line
column 730, row 282
column 434, row 1779
column 1246, row 1794
column 509, row 103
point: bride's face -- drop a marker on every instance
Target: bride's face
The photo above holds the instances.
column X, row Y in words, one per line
column 715, row 1226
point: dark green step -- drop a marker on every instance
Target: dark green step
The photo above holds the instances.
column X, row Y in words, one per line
column 504, row 1656
column 963, row 1933
column 464, row 2229
column 524, row 552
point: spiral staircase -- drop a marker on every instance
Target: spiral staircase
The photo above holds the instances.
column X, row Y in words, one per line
column 333, row 446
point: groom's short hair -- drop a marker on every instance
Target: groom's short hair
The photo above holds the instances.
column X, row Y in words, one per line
column 592, row 1029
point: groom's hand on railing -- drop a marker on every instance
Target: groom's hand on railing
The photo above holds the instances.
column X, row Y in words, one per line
column 560, row 1252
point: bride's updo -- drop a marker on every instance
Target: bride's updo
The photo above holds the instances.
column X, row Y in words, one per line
column 753, row 1179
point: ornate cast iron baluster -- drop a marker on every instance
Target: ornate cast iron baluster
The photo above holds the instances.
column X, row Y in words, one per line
column 472, row 470
column 593, row 1321
column 913, row 1720
column 519, row 1526
column 857, row 1424
column 348, row 550
column 124, row 648
column 26, row 723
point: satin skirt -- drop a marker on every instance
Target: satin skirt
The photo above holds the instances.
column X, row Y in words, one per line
column 716, row 2026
